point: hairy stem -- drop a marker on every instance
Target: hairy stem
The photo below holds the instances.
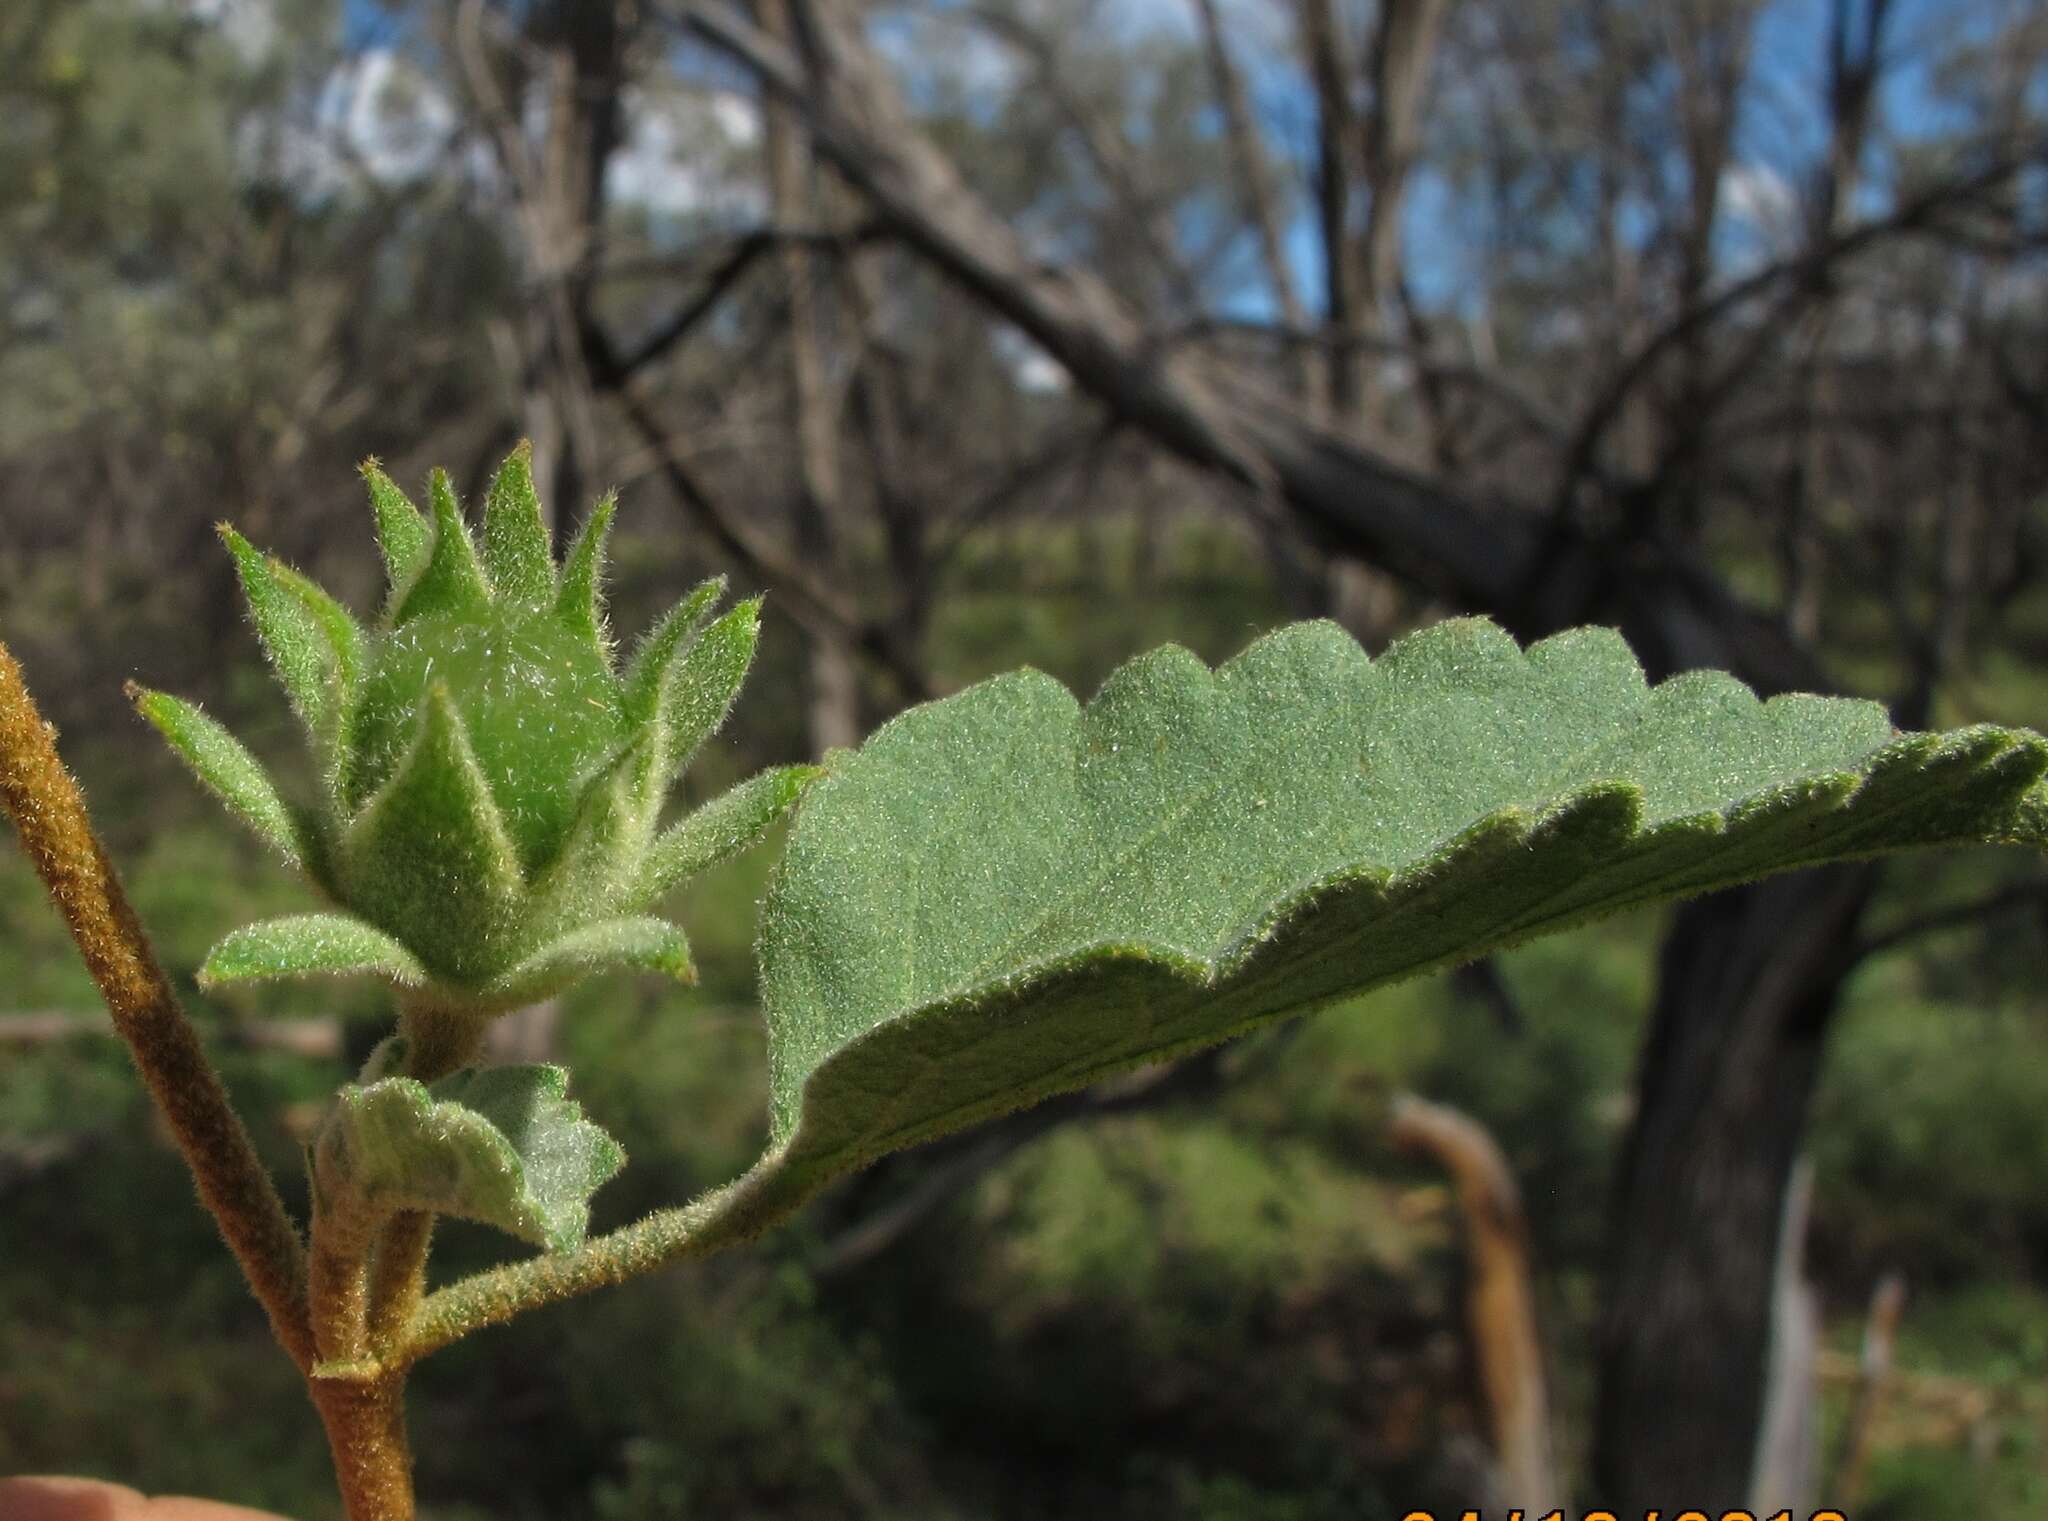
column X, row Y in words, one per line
column 365, row 1421
column 338, row 1289
column 398, row 1276
column 44, row 802
column 725, row 1217
column 438, row 1042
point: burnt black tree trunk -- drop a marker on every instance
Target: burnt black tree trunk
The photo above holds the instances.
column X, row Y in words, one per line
column 1748, row 982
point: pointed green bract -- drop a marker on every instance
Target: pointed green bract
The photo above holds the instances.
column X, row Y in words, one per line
column 613, row 824
column 504, row 1146
column 344, row 637
column 700, row 687
column 724, row 827
column 229, row 771
column 403, row 537
column 310, row 945
column 290, row 633
column 637, row 944
column 657, row 652
column 337, row 626
column 452, row 581
column 517, row 557
column 577, row 605
column 1004, row 895
column 429, row 859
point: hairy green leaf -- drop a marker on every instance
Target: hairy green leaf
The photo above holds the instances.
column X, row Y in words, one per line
column 613, row 826
column 309, row 945
column 229, row 771
column 579, row 605
column 429, row 859
column 724, row 827
column 344, row 638
column 649, row 669
column 403, row 537
column 292, row 635
column 701, row 685
column 637, row 944
column 452, row 581
column 1003, row 895
column 502, row 1145
column 517, row 557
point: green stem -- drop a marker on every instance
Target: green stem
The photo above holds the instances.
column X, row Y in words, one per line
column 725, row 1217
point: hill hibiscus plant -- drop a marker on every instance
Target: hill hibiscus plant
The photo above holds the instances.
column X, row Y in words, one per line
column 1002, row 895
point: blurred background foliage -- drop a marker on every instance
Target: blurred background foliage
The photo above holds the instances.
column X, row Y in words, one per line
column 1744, row 295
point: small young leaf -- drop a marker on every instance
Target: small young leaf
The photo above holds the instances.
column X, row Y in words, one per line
column 657, row 651
column 309, row 945
column 723, row 827
column 640, row 945
column 344, row 636
column 428, row 858
column 228, row 770
column 578, row 604
column 517, row 558
column 292, row 636
column 1003, row 896
column 701, row 686
column 503, row 1145
column 452, row 581
column 344, row 670
column 403, row 536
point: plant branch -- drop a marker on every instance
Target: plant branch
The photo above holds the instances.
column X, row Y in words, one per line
column 47, row 808
column 1500, row 1301
column 813, row 605
column 1952, row 917
column 1810, row 267
column 365, row 1420
column 725, row 1217
column 438, row 1042
column 338, row 1288
column 719, row 283
column 729, row 1216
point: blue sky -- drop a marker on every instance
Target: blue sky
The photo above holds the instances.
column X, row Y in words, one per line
column 1781, row 134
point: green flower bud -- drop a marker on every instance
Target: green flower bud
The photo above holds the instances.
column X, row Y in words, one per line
column 490, row 785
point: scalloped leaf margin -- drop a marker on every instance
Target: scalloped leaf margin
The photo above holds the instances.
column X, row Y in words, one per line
column 1004, row 895
column 501, row 1145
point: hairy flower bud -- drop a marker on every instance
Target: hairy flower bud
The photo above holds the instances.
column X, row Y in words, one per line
column 488, row 824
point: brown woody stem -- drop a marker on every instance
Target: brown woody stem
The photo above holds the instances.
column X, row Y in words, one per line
column 365, row 1420
column 438, row 1042
column 44, row 802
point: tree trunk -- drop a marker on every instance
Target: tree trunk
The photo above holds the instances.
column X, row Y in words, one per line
column 1322, row 35
column 1403, row 48
column 1748, row 982
column 834, row 699
column 1262, row 204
